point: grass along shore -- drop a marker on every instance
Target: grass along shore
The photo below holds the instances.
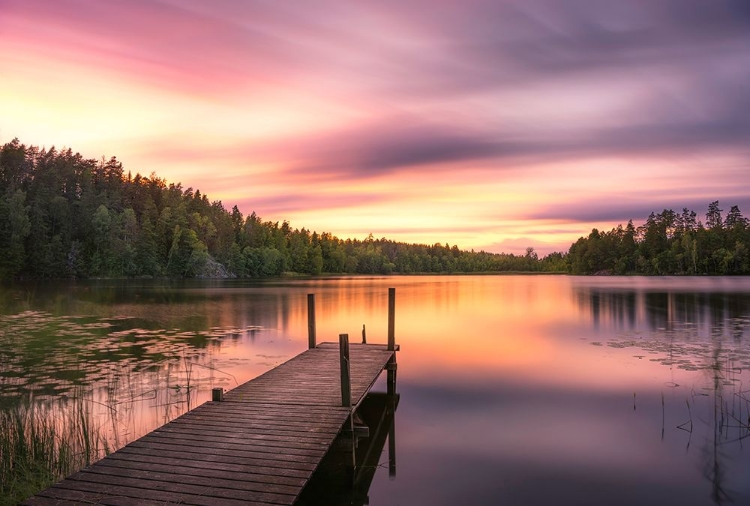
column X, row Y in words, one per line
column 42, row 443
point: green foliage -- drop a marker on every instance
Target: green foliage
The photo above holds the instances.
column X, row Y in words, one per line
column 15, row 227
column 62, row 215
column 37, row 449
column 668, row 243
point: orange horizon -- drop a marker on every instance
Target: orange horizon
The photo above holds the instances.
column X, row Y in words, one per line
column 420, row 125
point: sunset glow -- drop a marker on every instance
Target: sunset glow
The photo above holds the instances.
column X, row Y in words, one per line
column 490, row 125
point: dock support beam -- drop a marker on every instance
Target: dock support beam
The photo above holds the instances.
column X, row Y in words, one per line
column 346, row 396
column 311, row 320
column 392, row 441
column 391, row 385
column 392, row 319
column 346, row 385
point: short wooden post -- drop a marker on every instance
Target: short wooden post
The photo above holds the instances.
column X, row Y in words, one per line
column 392, row 319
column 217, row 394
column 364, row 335
column 346, row 386
column 311, row 320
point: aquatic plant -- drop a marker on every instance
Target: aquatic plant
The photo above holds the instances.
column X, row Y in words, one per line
column 40, row 444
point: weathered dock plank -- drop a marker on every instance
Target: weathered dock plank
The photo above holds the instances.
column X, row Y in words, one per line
column 259, row 445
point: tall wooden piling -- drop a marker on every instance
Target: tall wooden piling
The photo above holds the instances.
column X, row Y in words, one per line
column 392, row 441
column 391, row 319
column 311, row 321
column 391, row 384
column 391, row 368
column 346, row 385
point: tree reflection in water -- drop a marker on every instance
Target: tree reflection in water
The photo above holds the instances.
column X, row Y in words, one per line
column 694, row 332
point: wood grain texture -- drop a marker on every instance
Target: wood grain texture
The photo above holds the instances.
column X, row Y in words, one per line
column 260, row 445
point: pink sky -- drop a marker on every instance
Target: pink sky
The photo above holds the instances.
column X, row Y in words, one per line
column 489, row 124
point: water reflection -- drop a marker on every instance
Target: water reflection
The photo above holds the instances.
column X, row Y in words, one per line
column 706, row 306
column 48, row 356
column 335, row 482
column 704, row 330
column 508, row 382
column 687, row 329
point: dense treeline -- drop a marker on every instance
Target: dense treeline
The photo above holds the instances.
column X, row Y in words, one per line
column 62, row 215
column 668, row 243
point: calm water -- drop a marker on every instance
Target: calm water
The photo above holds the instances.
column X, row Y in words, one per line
column 514, row 389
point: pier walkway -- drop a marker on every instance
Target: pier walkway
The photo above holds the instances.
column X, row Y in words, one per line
column 259, row 445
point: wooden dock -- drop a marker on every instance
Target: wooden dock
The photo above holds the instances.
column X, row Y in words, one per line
column 259, row 444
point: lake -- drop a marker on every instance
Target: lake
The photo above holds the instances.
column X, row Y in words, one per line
column 514, row 389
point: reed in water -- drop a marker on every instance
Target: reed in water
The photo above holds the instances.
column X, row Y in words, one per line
column 43, row 443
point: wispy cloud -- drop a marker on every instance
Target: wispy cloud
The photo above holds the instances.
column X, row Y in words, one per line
column 496, row 111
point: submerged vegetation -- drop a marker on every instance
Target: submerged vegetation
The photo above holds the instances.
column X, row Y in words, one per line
column 62, row 215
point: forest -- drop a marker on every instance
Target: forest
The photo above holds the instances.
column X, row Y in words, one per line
column 66, row 216
column 669, row 243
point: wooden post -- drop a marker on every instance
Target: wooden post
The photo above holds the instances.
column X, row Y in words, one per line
column 391, row 383
column 392, row 441
column 392, row 319
column 392, row 341
column 346, row 385
column 364, row 335
column 217, row 394
column 311, row 320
